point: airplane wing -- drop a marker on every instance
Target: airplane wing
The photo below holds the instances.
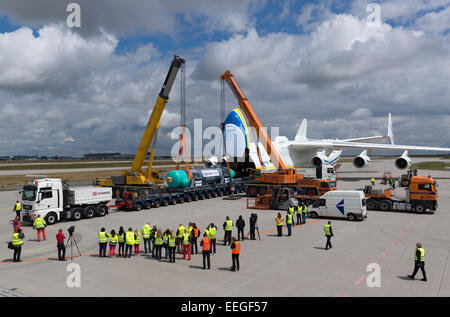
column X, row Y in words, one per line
column 338, row 145
column 368, row 139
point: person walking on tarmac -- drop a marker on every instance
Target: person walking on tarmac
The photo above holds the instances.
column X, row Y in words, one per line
column 137, row 241
column 206, row 250
column 39, row 224
column 17, row 209
column 102, row 242
column 186, row 246
column 279, row 223
column 16, row 224
column 145, row 231
column 328, row 234
column 419, row 262
column 212, row 235
column 289, row 217
column 129, row 240
column 60, row 245
column 240, row 224
column 195, row 233
column 121, row 237
column 17, row 242
column 172, row 247
column 228, row 227
column 235, row 251
column 113, row 239
column 159, row 240
column 180, row 237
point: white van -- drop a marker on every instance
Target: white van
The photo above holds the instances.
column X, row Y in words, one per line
column 350, row 204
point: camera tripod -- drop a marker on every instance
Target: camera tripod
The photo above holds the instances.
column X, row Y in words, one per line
column 72, row 240
column 257, row 230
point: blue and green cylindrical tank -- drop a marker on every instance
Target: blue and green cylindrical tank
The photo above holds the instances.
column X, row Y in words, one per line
column 180, row 179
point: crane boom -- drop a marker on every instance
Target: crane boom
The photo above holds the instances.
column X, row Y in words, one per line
column 254, row 120
column 153, row 122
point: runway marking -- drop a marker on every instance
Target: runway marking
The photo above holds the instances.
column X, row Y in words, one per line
column 393, row 242
column 360, row 279
column 412, row 221
column 406, row 227
column 384, row 252
column 400, row 234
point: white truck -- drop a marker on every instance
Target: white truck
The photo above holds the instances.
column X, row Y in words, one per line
column 54, row 201
column 322, row 172
column 350, row 204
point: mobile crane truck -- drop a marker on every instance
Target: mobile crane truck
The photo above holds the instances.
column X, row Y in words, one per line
column 420, row 195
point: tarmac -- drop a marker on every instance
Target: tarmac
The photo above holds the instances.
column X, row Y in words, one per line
column 273, row 266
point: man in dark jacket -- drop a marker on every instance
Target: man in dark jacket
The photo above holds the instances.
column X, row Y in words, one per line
column 152, row 239
column 253, row 219
column 240, row 224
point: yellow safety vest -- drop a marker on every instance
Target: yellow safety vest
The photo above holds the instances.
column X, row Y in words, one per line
column 137, row 239
column 159, row 241
column 299, row 209
column 172, row 242
column 18, row 207
column 186, row 239
column 16, row 240
column 189, row 229
column 180, row 231
column 129, row 238
column 289, row 219
column 146, row 231
column 291, row 210
column 305, row 209
column 113, row 239
column 212, row 233
column 327, row 230
column 229, row 225
column 102, row 237
column 279, row 221
column 422, row 254
column 39, row 223
column 122, row 238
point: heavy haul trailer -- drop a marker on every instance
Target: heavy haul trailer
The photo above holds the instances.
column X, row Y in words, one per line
column 421, row 195
column 53, row 200
column 173, row 196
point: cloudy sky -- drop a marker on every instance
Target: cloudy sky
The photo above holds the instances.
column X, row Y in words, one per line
column 71, row 91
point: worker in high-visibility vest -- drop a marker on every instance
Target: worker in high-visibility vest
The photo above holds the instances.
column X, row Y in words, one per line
column 145, row 231
column 419, row 262
column 180, row 233
column 153, row 233
column 137, row 241
column 372, row 181
column 113, row 240
column 121, row 237
column 228, row 227
column 186, row 246
column 235, row 251
column 279, row 223
column 17, row 242
column 166, row 236
column 172, row 247
column 328, row 234
column 159, row 240
column 17, row 209
column 195, row 233
column 16, row 224
column 289, row 221
column 39, row 224
column 206, row 250
column 304, row 212
column 291, row 210
column 102, row 243
column 212, row 235
column 129, row 240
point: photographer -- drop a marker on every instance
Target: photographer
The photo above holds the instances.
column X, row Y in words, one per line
column 60, row 245
column 253, row 221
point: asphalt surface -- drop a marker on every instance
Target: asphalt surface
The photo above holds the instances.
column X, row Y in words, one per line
column 273, row 266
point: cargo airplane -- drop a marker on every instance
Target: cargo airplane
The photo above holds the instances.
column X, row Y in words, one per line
column 302, row 152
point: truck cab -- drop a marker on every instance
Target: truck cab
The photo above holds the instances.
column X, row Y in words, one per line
column 422, row 192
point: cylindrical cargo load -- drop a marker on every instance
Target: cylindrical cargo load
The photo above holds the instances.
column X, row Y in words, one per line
column 178, row 179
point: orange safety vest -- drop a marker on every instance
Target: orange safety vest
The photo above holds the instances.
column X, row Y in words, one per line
column 206, row 244
column 279, row 221
column 237, row 249
column 196, row 232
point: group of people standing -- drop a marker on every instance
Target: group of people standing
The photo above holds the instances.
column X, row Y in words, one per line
column 301, row 211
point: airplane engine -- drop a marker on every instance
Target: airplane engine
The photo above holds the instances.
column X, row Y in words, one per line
column 361, row 160
column 319, row 159
column 403, row 161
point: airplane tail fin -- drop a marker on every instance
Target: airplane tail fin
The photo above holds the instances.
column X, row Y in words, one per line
column 390, row 134
column 302, row 130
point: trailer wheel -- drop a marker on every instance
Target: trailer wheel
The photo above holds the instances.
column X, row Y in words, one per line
column 195, row 197
column 148, row 205
column 102, row 210
column 208, row 195
column 173, row 201
column 371, row 204
column 89, row 212
column 214, row 194
column 351, row 217
column 165, row 202
column 419, row 208
column 188, row 198
column 313, row 214
column 202, row 196
column 138, row 207
column 220, row 193
column 385, row 205
column 180, row 200
column 156, row 204
column 51, row 218
column 77, row 213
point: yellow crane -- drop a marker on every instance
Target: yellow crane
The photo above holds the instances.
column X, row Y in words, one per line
column 137, row 175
